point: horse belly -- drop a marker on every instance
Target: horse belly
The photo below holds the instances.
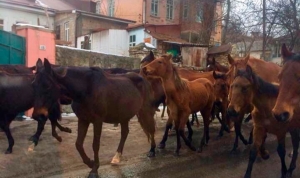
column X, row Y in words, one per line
column 199, row 97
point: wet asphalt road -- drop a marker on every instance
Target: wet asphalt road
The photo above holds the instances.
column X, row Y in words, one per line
column 59, row 160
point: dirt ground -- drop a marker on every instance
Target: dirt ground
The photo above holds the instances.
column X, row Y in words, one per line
column 52, row 159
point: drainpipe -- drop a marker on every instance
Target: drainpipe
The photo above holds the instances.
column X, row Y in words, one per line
column 144, row 12
column 76, row 24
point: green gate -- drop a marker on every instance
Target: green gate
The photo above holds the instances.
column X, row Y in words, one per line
column 12, row 48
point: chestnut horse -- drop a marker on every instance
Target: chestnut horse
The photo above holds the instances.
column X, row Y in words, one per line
column 248, row 88
column 266, row 70
column 97, row 97
column 287, row 103
column 183, row 98
column 17, row 95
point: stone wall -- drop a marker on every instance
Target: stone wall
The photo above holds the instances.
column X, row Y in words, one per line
column 67, row 56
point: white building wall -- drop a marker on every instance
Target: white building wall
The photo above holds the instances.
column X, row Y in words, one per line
column 11, row 16
column 139, row 34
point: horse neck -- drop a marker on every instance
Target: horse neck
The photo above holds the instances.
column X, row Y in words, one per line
column 172, row 82
column 76, row 82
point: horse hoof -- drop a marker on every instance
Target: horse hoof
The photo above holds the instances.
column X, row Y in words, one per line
column 245, row 142
column 8, row 151
column 58, row 138
column 247, row 176
column 192, row 148
column 250, row 142
column 90, row 163
column 226, row 129
column 93, row 175
column 116, row 159
column 161, row 146
column 265, row 155
column 151, row 154
column 199, row 150
column 68, row 130
column 289, row 174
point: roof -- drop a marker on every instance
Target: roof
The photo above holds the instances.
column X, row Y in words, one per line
column 164, row 37
column 99, row 16
column 52, row 5
column 220, row 49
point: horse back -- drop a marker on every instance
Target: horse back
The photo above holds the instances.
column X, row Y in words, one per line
column 268, row 71
column 201, row 94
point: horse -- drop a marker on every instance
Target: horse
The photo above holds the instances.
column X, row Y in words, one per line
column 287, row 103
column 249, row 88
column 17, row 95
column 266, row 70
column 213, row 65
column 97, row 97
column 183, row 97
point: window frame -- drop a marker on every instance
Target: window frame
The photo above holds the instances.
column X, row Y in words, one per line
column 185, row 10
column 154, row 8
column 111, row 8
column 169, row 9
column 132, row 40
column 2, row 24
column 67, row 30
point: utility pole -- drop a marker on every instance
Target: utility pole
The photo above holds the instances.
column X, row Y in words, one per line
column 264, row 30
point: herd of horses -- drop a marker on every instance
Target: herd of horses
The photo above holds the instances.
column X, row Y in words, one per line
column 269, row 92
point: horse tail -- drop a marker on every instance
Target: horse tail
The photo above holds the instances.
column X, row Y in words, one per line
column 147, row 111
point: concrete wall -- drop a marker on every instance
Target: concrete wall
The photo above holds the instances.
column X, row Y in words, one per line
column 11, row 16
column 78, row 57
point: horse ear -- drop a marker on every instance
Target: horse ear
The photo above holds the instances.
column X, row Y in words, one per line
column 230, row 59
column 247, row 58
column 39, row 64
column 213, row 60
column 47, row 66
column 285, row 53
column 215, row 75
column 151, row 55
column 168, row 56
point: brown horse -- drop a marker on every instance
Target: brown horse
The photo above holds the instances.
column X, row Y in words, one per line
column 183, row 98
column 213, row 65
column 97, row 97
column 248, row 88
column 266, row 70
column 287, row 103
column 17, row 95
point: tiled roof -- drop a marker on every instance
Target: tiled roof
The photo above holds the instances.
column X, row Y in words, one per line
column 164, row 37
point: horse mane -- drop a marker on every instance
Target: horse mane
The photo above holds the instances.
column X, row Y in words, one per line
column 262, row 86
column 179, row 83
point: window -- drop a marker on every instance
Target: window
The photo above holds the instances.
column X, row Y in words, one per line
column 154, row 7
column 170, row 6
column 98, row 7
column 67, row 31
column 111, row 8
column 1, row 24
column 57, row 32
column 132, row 40
column 199, row 13
column 185, row 10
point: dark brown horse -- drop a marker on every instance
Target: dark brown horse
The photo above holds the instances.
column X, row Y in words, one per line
column 248, row 88
column 213, row 65
column 266, row 70
column 183, row 98
column 17, row 96
column 97, row 97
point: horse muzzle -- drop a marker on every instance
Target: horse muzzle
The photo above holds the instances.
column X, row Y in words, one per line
column 282, row 117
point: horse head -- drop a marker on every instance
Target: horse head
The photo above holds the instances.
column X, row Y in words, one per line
column 288, row 100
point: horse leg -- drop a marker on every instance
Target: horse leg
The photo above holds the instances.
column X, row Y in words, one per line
column 53, row 128
column 281, row 153
column 197, row 121
column 240, row 132
column 124, row 134
column 248, row 118
column 193, row 119
column 162, row 143
column 63, row 129
column 163, row 111
column 4, row 125
column 40, row 127
column 205, row 137
column 236, row 141
column 295, row 140
column 250, row 140
column 259, row 134
column 82, row 130
column 96, row 146
column 190, row 130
